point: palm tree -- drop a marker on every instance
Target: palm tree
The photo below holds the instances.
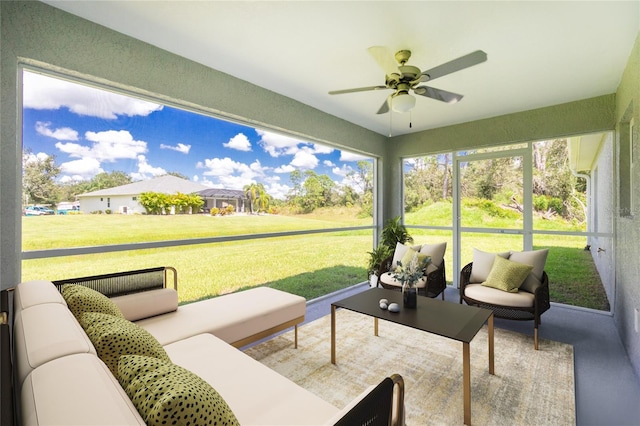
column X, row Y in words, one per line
column 252, row 191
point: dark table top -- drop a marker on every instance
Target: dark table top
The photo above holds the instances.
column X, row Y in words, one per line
column 452, row 320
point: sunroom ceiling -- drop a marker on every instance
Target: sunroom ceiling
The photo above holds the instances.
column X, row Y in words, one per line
column 539, row 53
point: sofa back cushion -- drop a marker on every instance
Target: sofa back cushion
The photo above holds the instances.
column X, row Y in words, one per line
column 146, row 304
column 36, row 292
column 81, row 299
column 165, row 393
column 482, row 263
column 113, row 337
column 536, row 259
column 43, row 333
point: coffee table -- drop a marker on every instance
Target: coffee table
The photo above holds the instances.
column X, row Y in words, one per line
column 452, row 320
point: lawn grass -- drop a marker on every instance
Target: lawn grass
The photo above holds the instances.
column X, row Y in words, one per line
column 308, row 265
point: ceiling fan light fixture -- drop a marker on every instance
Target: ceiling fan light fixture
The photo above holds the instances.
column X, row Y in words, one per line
column 403, row 102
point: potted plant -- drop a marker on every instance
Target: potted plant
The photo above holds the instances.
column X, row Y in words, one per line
column 393, row 232
column 376, row 257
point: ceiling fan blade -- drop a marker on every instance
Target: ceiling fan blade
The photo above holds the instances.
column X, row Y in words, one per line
column 383, row 56
column 461, row 63
column 437, row 94
column 358, row 89
column 385, row 106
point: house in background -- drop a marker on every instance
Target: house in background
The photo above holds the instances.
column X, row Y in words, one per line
column 221, row 198
column 124, row 199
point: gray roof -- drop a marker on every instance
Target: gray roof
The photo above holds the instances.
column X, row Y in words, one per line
column 221, row 193
column 166, row 184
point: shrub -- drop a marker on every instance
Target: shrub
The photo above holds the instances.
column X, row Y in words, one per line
column 540, row 203
column 107, row 211
column 214, row 211
column 230, row 209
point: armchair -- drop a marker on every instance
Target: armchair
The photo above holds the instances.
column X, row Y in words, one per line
column 528, row 302
column 434, row 280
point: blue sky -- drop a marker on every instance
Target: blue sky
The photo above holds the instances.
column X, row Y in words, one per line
column 90, row 131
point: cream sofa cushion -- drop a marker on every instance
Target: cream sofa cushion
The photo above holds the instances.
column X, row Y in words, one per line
column 75, row 390
column 45, row 332
column 521, row 299
column 147, row 304
column 482, row 263
column 387, row 278
column 232, row 317
column 436, row 251
column 256, row 395
column 31, row 293
column 534, row 258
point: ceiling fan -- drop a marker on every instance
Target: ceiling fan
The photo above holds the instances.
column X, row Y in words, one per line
column 403, row 78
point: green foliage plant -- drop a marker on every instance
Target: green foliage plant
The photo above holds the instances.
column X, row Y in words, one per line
column 395, row 232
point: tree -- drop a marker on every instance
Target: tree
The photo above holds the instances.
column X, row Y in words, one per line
column 38, row 180
column 258, row 197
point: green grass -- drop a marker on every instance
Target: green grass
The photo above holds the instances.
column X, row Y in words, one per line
column 308, row 265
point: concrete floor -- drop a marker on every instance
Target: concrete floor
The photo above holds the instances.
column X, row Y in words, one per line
column 607, row 389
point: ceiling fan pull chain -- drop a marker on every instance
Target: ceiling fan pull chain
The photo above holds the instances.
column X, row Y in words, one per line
column 410, row 118
column 390, row 122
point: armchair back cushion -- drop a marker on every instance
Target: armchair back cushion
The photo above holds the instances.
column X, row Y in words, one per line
column 482, row 263
column 436, row 251
column 534, row 258
column 400, row 251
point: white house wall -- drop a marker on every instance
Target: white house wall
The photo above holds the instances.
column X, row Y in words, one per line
column 124, row 204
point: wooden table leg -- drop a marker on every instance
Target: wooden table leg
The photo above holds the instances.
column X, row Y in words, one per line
column 333, row 334
column 490, row 327
column 466, row 383
column 375, row 326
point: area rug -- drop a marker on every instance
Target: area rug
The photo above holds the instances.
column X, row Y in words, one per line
column 529, row 387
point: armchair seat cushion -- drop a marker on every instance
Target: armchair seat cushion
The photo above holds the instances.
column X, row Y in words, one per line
column 521, row 299
column 387, row 278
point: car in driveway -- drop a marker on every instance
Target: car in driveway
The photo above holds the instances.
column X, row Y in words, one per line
column 37, row 211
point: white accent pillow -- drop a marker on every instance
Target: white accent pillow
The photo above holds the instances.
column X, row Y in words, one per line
column 482, row 263
column 436, row 251
column 400, row 251
column 535, row 258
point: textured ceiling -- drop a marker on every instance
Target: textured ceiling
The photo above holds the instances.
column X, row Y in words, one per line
column 539, row 53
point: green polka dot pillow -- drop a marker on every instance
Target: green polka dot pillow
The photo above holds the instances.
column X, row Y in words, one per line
column 81, row 299
column 113, row 337
column 167, row 394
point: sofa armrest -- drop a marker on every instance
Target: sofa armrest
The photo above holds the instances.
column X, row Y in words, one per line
column 381, row 405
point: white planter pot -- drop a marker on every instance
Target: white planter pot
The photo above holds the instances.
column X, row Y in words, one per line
column 373, row 280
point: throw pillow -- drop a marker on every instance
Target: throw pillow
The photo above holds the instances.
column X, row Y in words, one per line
column 165, row 393
column 506, row 275
column 81, row 299
column 423, row 259
column 400, row 251
column 482, row 263
column 535, row 258
column 113, row 337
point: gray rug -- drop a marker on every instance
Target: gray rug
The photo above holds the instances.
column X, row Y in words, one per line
column 529, row 387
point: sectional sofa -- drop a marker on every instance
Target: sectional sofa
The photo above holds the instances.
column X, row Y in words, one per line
column 132, row 359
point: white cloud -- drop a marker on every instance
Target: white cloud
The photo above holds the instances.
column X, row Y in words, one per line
column 321, row 149
column 239, row 142
column 61, row 134
column 277, row 145
column 42, row 92
column 342, row 171
column 328, row 163
column 146, row 170
column 277, row 191
column 221, row 167
column 31, row 158
column 287, row 168
column 82, row 169
column 304, row 160
column 350, row 156
column 180, row 147
column 112, row 145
